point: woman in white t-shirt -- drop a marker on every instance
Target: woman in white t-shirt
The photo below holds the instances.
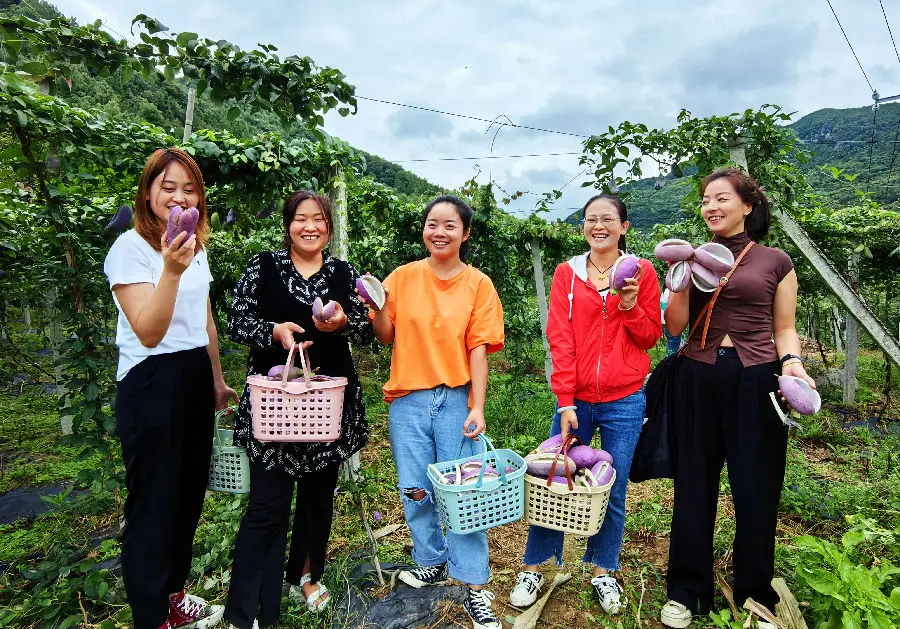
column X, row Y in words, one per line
column 170, row 384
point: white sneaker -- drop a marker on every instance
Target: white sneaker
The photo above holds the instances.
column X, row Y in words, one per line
column 527, row 588
column 609, row 593
column 675, row 615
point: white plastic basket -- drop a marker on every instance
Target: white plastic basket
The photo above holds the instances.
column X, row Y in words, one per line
column 308, row 410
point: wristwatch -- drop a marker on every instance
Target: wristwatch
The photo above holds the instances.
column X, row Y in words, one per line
column 787, row 357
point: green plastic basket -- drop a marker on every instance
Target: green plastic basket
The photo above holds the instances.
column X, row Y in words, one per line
column 229, row 467
column 486, row 503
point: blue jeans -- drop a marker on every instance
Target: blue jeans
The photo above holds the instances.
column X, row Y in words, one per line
column 619, row 423
column 426, row 427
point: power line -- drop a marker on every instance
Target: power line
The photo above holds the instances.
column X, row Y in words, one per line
column 458, row 159
column 888, row 24
column 476, row 118
column 865, row 76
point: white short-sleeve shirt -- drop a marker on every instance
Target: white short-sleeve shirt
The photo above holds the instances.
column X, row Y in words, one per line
column 132, row 261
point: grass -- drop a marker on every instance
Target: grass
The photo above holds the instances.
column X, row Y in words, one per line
column 832, row 473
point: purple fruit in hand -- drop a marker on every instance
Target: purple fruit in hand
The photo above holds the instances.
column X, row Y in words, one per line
column 802, row 397
column 181, row 220
column 703, row 278
column 679, row 276
column 715, row 257
column 323, row 313
column 371, row 290
column 120, row 219
column 673, row 250
column 625, row 267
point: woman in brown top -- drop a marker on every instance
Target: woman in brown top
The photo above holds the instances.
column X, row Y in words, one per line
column 722, row 405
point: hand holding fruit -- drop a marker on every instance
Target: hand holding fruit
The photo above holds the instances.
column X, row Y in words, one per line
column 284, row 333
column 336, row 319
column 177, row 255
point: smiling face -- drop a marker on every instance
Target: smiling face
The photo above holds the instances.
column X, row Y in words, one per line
column 603, row 227
column 309, row 229
column 722, row 208
column 444, row 232
column 173, row 186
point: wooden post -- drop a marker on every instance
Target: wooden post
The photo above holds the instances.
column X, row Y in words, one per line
column 189, row 114
column 836, row 329
column 56, row 339
column 852, row 337
column 542, row 304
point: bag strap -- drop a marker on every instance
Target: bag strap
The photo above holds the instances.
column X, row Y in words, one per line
column 563, row 450
column 708, row 306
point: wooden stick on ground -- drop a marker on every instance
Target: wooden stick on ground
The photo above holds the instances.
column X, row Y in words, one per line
column 787, row 609
column 729, row 596
column 760, row 610
column 528, row 619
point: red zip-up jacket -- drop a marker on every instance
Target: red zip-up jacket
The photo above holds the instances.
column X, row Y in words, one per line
column 599, row 352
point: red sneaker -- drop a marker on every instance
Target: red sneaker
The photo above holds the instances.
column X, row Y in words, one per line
column 192, row 612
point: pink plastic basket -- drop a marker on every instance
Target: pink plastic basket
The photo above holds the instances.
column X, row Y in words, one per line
column 306, row 410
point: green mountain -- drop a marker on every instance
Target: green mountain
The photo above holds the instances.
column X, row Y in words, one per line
column 840, row 138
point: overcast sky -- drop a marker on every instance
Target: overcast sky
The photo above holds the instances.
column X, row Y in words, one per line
column 573, row 66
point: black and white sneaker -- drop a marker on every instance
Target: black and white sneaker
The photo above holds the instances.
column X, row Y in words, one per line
column 527, row 588
column 609, row 593
column 478, row 605
column 420, row 577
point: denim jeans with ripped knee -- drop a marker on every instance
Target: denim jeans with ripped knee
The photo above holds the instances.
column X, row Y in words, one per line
column 426, row 427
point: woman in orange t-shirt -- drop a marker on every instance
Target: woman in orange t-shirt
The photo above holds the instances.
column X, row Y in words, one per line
column 444, row 317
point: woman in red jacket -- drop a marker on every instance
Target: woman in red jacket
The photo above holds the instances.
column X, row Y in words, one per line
column 599, row 344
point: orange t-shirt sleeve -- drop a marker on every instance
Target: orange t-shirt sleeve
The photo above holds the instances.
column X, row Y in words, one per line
column 486, row 322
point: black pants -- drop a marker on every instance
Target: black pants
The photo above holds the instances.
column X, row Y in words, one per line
column 723, row 412
column 257, row 572
column 164, row 417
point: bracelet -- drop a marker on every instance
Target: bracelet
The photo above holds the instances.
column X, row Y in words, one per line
column 789, row 356
column 792, row 361
column 628, row 308
column 566, row 408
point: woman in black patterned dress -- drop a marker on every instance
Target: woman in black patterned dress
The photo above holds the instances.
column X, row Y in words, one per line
column 272, row 309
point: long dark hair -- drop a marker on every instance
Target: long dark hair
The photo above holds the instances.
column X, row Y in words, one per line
column 620, row 208
column 759, row 220
column 290, row 209
column 465, row 215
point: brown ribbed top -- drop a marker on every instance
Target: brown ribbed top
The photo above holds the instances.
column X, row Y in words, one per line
column 744, row 309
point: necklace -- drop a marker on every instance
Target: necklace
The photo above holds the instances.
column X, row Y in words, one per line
column 603, row 272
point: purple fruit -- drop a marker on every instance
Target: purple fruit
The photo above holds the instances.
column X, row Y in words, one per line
column 602, row 473
column 229, row 218
column 673, row 250
column 715, row 257
column 561, row 480
column 625, row 267
column 181, row 221
column 509, row 469
column 371, row 290
column 703, row 278
column 266, row 211
column 584, row 456
column 277, row 372
column 323, row 313
column 120, row 220
column 603, row 455
column 802, row 397
column 377, row 517
column 552, row 444
column 540, row 463
column 679, row 276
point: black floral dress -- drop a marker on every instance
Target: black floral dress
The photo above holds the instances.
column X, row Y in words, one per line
column 272, row 291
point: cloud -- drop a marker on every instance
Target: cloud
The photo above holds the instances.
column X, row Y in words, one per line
column 413, row 123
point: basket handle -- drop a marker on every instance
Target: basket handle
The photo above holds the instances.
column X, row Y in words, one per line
column 488, row 446
column 228, row 410
column 304, row 360
column 564, row 451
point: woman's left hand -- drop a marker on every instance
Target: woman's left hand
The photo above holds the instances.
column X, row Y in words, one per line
column 224, row 395
column 338, row 320
column 474, row 425
column 628, row 294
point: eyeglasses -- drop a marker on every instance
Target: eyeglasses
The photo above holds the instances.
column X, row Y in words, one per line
column 606, row 221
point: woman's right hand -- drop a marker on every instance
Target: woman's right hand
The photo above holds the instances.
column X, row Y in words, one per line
column 568, row 423
column 178, row 255
column 284, row 333
column 366, row 304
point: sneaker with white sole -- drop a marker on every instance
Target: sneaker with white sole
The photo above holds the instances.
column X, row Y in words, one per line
column 187, row 611
column 527, row 588
column 255, row 625
column 478, row 605
column 675, row 615
column 420, row 577
column 609, row 593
